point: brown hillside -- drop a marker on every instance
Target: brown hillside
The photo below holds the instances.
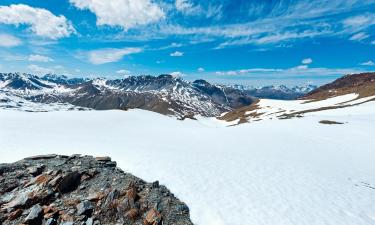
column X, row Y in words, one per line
column 362, row 84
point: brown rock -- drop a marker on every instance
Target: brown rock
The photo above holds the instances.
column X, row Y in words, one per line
column 14, row 215
column 55, row 180
column 131, row 193
column 132, row 214
column 95, row 196
column 153, row 217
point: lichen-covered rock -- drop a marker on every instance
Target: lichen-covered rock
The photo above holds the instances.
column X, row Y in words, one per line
column 78, row 189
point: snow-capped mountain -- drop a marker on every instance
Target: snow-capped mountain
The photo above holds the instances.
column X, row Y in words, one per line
column 281, row 92
column 163, row 94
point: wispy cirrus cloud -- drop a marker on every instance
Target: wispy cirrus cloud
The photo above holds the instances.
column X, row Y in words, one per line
column 39, row 70
column 107, row 55
column 301, row 71
column 368, row 63
column 123, row 72
column 39, row 58
column 7, row 40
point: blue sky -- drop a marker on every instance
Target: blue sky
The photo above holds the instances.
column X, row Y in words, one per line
column 226, row 41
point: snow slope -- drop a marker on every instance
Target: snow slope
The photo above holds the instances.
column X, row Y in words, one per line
column 282, row 172
column 273, row 109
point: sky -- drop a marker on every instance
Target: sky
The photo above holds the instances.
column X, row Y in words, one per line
column 249, row 42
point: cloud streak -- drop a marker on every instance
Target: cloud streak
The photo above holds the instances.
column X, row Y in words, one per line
column 8, row 41
column 109, row 55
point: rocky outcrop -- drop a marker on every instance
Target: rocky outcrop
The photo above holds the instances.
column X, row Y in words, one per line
column 76, row 189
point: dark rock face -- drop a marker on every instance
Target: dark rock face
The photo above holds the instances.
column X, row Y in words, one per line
column 70, row 182
column 83, row 190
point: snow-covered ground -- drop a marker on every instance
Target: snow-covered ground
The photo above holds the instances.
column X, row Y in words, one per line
column 272, row 109
column 282, row 172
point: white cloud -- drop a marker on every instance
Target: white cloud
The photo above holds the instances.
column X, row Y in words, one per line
column 187, row 7
column 39, row 58
column 368, row 63
column 359, row 36
column 307, row 61
column 177, row 74
column 59, row 67
column 109, row 55
column 360, row 22
column 41, row 21
column 200, row 69
column 7, row 40
column 177, row 54
column 39, row 70
column 229, row 73
column 300, row 67
column 298, row 71
column 123, row 72
column 123, row 13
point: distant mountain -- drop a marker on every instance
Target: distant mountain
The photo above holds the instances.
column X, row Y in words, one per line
column 281, row 92
column 163, row 94
column 348, row 91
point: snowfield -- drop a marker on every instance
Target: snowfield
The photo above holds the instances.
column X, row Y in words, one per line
column 283, row 172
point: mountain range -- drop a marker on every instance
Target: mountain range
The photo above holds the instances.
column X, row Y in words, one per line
column 164, row 94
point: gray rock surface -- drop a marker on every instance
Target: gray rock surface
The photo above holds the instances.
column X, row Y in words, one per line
column 83, row 190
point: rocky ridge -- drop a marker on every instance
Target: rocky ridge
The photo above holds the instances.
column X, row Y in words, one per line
column 68, row 190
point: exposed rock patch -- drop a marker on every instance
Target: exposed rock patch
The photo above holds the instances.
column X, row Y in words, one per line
column 83, row 190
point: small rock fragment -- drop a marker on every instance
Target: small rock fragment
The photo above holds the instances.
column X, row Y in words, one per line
column 114, row 194
column 153, row 217
column 89, row 221
column 103, row 159
column 85, row 208
column 111, row 164
column 35, row 215
column 19, row 201
column 37, row 157
column 55, row 180
column 155, row 184
column 35, row 170
column 132, row 213
column 51, row 221
column 67, row 223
